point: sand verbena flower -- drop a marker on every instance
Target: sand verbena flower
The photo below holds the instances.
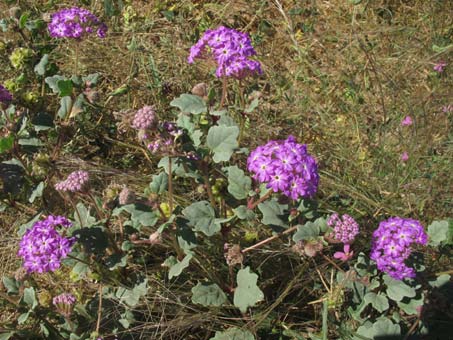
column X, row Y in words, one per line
column 75, row 23
column 230, row 49
column 392, row 245
column 42, row 247
column 286, row 167
column 76, row 181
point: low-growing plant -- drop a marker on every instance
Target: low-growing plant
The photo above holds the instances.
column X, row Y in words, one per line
column 218, row 229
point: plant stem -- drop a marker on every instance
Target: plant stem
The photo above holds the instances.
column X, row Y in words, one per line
column 224, row 92
column 98, row 323
column 170, row 186
column 252, row 205
column 76, row 68
column 269, row 239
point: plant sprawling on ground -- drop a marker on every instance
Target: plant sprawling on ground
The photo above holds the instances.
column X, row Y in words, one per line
column 226, row 170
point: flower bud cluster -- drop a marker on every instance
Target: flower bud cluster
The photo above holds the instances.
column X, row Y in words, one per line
column 5, row 96
column 75, row 23
column 144, row 118
column 74, row 182
column 391, row 245
column 64, row 303
column 230, row 49
column 345, row 228
column 285, row 166
column 42, row 247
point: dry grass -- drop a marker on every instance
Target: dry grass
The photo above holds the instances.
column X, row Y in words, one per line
column 337, row 76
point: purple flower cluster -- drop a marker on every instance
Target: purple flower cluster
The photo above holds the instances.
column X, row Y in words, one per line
column 392, row 243
column 231, row 50
column 144, row 118
column 42, row 247
column 5, row 95
column 64, row 303
column 286, row 166
column 345, row 228
column 74, row 182
column 75, row 23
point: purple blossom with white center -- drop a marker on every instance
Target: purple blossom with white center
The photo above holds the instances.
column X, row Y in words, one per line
column 76, row 181
column 345, row 228
column 231, row 50
column 286, row 167
column 42, row 247
column 392, row 245
column 75, row 23
column 144, row 118
column 5, row 96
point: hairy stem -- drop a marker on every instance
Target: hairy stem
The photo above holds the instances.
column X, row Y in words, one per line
column 269, row 239
column 252, row 205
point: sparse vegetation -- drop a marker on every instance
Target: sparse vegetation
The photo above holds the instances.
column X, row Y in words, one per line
column 236, row 194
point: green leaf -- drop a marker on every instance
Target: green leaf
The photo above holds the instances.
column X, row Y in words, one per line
column 226, row 120
column 42, row 121
column 141, row 215
column 131, row 297
column 64, row 87
column 93, row 239
column 247, row 293
column 41, row 67
column 53, row 82
column 6, row 336
column 65, row 107
column 201, row 217
column 397, row 290
column 159, row 183
column 11, row 285
column 208, row 295
column 116, row 261
column 77, row 107
column 82, row 216
column 176, row 267
column 23, row 20
column 80, row 270
column 37, row 192
column 411, row 305
column 233, row 334
column 239, row 184
column 185, row 122
column 176, row 167
column 381, row 329
column 222, row 140
column 441, row 49
column 438, row 232
column 243, row 213
column 24, row 227
column 189, row 103
column 307, row 231
column 273, row 213
column 22, row 318
column 440, row 281
column 187, row 239
column 30, row 142
column 6, row 143
column 30, row 297
column 253, row 105
column 91, row 79
column 378, row 301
